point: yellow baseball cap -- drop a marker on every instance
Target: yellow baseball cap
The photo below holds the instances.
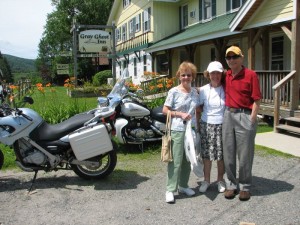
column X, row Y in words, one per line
column 236, row 50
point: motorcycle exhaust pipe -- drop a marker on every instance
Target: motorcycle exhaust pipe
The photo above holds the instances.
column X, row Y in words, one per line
column 27, row 169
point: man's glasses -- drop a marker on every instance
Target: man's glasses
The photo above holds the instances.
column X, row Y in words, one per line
column 232, row 57
column 185, row 75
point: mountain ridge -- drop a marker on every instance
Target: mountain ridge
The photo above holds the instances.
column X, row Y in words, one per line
column 20, row 65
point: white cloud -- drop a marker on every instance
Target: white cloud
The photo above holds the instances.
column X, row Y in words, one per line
column 21, row 26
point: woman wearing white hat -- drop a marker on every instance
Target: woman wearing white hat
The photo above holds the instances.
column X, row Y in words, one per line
column 212, row 99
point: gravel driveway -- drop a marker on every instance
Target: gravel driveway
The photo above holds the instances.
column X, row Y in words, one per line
column 131, row 197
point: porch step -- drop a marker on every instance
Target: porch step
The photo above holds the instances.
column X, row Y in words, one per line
column 292, row 125
column 289, row 128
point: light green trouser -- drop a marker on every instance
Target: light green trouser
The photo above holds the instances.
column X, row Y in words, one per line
column 178, row 170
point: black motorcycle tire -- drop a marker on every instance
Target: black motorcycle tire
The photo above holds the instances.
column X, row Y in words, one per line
column 106, row 168
column 1, row 159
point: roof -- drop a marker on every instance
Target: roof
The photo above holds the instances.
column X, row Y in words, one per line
column 244, row 14
column 218, row 27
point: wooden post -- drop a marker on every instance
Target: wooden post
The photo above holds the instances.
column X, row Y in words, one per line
column 295, row 57
column 276, row 108
column 251, row 49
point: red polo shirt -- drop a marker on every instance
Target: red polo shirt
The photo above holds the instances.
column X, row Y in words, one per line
column 242, row 89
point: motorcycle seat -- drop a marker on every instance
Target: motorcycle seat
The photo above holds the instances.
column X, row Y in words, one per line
column 158, row 115
column 49, row 132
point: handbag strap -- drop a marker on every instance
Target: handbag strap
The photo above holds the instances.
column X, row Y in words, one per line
column 168, row 123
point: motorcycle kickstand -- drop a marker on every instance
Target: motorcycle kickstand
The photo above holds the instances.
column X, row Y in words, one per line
column 32, row 182
column 141, row 147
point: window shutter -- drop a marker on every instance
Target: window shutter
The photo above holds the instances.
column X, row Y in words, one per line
column 200, row 9
column 228, row 5
column 149, row 18
column 180, row 19
column 214, row 8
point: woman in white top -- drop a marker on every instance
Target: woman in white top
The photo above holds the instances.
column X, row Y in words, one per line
column 212, row 102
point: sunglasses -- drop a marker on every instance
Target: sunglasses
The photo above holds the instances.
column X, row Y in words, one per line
column 232, row 57
column 185, row 75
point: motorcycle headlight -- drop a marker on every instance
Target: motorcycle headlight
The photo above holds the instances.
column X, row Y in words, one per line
column 102, row 102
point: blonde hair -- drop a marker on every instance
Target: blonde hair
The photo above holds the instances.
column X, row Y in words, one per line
column 185, row 66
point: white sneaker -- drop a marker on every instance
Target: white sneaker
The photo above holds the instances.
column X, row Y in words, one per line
column 204, row 186
column 221, row 186
column 169, row 197
column 187, row 191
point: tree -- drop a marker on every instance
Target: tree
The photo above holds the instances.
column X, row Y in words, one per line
column 5, row 71
column 57, row 37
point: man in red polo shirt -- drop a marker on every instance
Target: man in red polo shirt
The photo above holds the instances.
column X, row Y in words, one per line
column 242, row 102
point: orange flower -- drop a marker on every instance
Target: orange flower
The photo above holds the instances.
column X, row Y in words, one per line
column 11, row 98
column 39, row 85
column 48, row 85
column 160, row 85
column 41, row 89
column 13, row 87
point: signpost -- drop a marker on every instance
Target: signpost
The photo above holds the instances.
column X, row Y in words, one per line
column 93, row 43
column 62, row 69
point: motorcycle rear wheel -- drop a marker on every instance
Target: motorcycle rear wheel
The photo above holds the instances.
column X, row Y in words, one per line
column 107, row 165
column 1, row 159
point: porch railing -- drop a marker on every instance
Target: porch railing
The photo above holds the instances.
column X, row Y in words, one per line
column 282, row 95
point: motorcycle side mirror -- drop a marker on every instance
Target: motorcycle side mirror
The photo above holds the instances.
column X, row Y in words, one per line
column 139, row 92
column 102, row 101
column 28, row 99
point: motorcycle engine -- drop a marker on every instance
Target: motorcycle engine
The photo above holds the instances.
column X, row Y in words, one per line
column 140, row 128
column 31, row 155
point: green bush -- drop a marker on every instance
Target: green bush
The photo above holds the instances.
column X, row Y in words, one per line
column 100, row 78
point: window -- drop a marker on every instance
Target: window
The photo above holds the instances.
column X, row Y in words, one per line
column 184, row 16
column 234, row 5
column 118, row 34
column 207, row 9
column 131, row 28
column 145, row 62
column 126, row 3
column 146, row 19
column 134, row 67
column 277, row 53
column 124, row 32
column 138, row 23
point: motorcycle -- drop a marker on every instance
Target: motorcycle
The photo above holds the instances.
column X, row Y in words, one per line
column 134, row 122
column 82, row 143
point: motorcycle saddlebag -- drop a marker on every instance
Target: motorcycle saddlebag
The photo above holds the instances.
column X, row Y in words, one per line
column 91, row 141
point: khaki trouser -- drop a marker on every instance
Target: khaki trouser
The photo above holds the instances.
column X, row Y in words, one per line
column 178, row 170
column 238, row 136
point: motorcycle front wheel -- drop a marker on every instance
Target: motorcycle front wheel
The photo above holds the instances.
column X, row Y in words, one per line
column 1, row 159
column 107, row 164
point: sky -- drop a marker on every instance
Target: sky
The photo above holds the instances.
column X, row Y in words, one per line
column 21, row 26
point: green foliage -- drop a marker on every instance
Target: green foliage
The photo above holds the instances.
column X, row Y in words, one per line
column 100, row 78
column 5, row 69
column 156, row 102
column 55, row 106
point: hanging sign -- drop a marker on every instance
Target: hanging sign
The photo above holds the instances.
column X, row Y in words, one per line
column 94, row 41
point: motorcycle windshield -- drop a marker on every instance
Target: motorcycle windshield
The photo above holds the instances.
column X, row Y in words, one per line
column 120, row 89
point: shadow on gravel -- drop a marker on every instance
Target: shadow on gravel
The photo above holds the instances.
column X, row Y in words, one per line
column 115, row 181
column 264, row 186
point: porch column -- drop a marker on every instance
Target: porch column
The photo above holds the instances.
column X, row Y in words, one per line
column 295, row 57
column 221, row 45
column 265, row 50
column 251, row 49
column 170, row 55
column 190, row 49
